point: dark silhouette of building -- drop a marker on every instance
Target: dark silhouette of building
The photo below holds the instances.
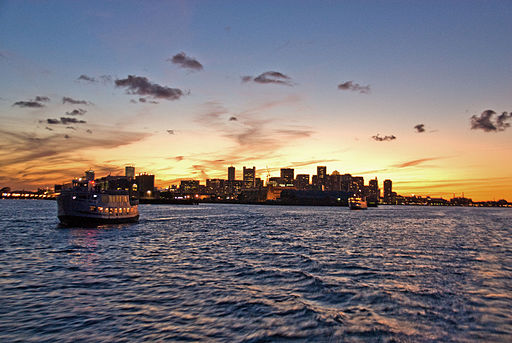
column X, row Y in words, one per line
column 388, row 191
column 129, row 172
column 287, row 175
column 302, row 182
column 334, row 182
column 189, row 186
column 145, row 185
column 320, row 181
column 249, row 177
column 231, row 173
column 89, row 175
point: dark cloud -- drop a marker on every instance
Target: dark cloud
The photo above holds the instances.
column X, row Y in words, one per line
column 31, row 104
column 88, row 131
column 86, row 78
column 74, row 101
column 269, row 77
column 171, row 132
column 179, row 158
column 64, row 121
column 379, row 138
column 142, row 99
column 48, row 128
column 233, row 118
column 52, row 121
column 102, row 78
column 76, row 112
column 355, row 87
column 70, row 128
column 67, row 136
column 489, row 122
column 133, row 101
column 42, row 98
column 141, row 86
column 186, row 62
column 420, row 128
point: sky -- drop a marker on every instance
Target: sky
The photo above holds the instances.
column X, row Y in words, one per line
column 419, row 92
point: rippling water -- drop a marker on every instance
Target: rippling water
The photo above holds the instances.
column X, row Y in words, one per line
column 258, row 273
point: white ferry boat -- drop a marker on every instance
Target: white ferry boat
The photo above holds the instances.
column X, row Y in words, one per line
column 357, row 203
column 84, row 204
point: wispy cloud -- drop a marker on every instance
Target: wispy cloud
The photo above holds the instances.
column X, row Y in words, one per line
column 142, row 86
column 379, row 138
column 34, row 103
column 64, row 121
column 91, row 79
column 355, row 87
column 77, row 112
column 488, row 121
column 415, row 162
column 186, row 62
column 68, row 100
column 270, row 77
column 30, row 104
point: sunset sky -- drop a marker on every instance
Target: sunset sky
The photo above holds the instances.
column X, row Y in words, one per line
column 416, row 91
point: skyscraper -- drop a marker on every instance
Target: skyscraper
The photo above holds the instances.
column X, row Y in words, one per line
column 231, row 173
column 302, row 181
column 321, row 177
column 249, row 177
column 388, row 191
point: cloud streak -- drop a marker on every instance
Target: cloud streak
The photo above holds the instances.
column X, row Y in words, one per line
column 379, row 138
column 186, row 62
column 488, row 121
column 68, row 100
column 270, row 77
column 142, row 86
column 354, row 87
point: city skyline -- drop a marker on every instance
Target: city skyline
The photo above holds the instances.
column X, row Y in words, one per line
column 415, row 92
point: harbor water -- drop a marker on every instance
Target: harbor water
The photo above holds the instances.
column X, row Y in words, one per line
column 248, row 273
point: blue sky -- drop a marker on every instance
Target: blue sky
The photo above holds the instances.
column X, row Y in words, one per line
column 431, row 62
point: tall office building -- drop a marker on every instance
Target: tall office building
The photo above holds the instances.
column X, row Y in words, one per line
column 249, row 177
column 129, row 172
column 287, row 175
column 373, row 190
column 388, row 190
column 231, row 173
column 321, row 177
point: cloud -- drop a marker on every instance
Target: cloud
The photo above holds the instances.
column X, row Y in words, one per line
column 89, row 131
column 67, row 136
column 86, row 78
column 233, row 118
column 141, row 86
column 30, row 159
column 48, row 128
column 64, row 121
column 74, row 101
column 70, row 128
column 414, row 162
column 489, row 122
column 76, row 112
column 102, row 78
column 379, row 138
column 269, row 77
column 171, row 132
column 355, row 87
column 179, row 158
column 186, row 62
column 30, row 104
column 42, row 98
column 420, row 128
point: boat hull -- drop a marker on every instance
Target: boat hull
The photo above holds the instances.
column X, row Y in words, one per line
column 70, row 220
